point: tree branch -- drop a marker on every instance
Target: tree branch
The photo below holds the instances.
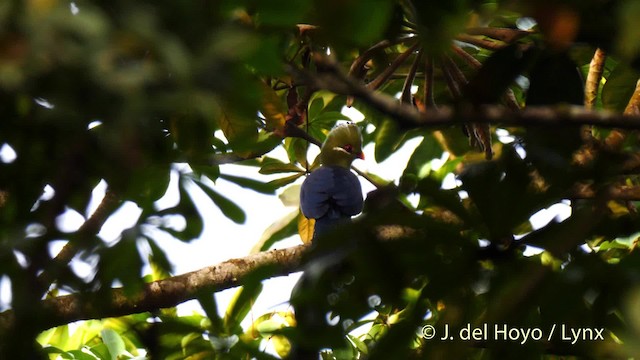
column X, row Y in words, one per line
column 163, row 293
column 87, row 230
column 335, row 80
column 596, row 68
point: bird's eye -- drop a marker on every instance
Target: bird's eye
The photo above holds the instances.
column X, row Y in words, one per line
column 348, row 148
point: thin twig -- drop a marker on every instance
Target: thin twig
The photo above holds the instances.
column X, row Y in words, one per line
column 479, row 42
column 389, row 70
column 406, row 96
column 507, row 35
column 87, row 231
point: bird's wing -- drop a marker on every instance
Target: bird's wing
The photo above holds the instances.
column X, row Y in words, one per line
column 332, row 191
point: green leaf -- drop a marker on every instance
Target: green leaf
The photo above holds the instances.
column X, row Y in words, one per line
column 364, row 21
column 285, row 181
column 327, row 119
column 241, row 131
column 281, row 12
column 123, row 262
column 240, row 305
column 212, row 172
column 297, row 150
column 258, row 186
column 320, row 102
column 267, row 327
column 275, row 166
column 388, row 139
column 228, row 207
column 428, row 150
column 58, row 336
column 186, row 208
column 291, row 196
column 161, row 267
column 281, row 344
column 280, row 229
column 361, row 346
column 114, row 343
column 210, row 307
column 100, row 351
column 619, row 87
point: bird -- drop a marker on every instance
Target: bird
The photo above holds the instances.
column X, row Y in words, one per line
column 331, row 194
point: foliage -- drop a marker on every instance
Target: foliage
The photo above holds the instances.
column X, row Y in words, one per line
column 122, row 91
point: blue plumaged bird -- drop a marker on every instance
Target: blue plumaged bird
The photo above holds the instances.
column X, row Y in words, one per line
column 332, row 194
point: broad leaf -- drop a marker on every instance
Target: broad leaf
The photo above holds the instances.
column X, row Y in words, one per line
column 258, row 186
column 228, row 207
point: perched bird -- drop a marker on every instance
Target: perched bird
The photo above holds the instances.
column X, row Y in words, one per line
column 332, row 194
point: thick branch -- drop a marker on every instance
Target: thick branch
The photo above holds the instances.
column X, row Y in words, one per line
column 613, row 192
column 335, row 80
column 163, row 293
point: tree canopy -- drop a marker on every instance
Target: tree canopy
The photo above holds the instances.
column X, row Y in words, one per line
column 528, row 103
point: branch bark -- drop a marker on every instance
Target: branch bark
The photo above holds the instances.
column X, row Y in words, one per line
column 337, row 81
column 163, row 293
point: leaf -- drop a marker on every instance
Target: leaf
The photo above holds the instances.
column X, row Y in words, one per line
column 240, row 131
column 291, row 195
column 58, row 336
column 160, row 265
column 497, row 73
column 285, row 181
column 268, row 326
column 258, row 186
column 100, row 351
column 282, row 13
column 281, row 229
column 318, row 102
column 186, row 208
column 281, row 345
column 619, row 87
column 275, row 166
column 364, row 21
column 228, row 207
column 297, row 150
column 114, row 343
column 210, row 307
column 428, row 150
column 212, row 172
column 361, row 346
column 240, row 305
column 327, row 119
column 273, row 109
column 388, row 138
column 305, row 228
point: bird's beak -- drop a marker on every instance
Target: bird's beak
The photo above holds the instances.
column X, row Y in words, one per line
column 360, row 155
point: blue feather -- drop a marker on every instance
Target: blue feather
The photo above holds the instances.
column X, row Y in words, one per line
column 331, row 195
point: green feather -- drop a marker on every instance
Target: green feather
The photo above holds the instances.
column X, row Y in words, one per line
column 342, row 146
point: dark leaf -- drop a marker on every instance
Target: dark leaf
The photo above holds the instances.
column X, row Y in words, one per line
column 228, row 207
column 258, row 186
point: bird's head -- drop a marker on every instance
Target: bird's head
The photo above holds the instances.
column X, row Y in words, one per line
column 342, row 146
